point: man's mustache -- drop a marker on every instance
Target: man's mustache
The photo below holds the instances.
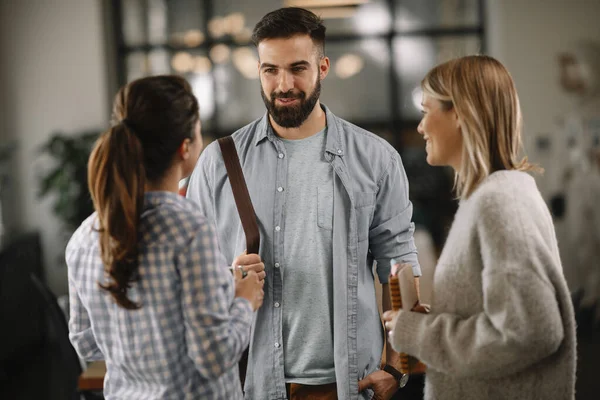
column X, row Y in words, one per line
column 288, row 95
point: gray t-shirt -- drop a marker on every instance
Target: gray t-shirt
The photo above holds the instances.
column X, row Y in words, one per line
column 308, row 274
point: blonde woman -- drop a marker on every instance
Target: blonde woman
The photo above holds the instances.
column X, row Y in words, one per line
column 502, row 323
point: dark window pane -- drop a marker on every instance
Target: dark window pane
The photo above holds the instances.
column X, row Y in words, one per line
column 140, row 64
column 157, row 21
column 134, row 22
column 202, row 85
column 136, row 65
column 197, row 68
column 236, row 19
column 415, row 56
column 426, row 14
column 357, row 87
column 158, row 62
column 372, row 17
column 237, row 87
column 178, row 22
column 185, row 22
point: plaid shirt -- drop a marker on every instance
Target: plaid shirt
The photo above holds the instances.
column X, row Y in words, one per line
column 186, row 340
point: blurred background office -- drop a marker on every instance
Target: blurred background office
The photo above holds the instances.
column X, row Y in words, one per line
column 62, row 61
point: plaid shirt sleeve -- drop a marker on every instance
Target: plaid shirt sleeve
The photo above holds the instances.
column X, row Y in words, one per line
column 80, row 330
column 217, row 324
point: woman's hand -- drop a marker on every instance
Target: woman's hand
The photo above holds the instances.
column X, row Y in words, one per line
column 389, row 320
column 249, row 272
column 245, row 263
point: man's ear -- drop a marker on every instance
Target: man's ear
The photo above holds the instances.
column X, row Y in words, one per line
column 324, row 65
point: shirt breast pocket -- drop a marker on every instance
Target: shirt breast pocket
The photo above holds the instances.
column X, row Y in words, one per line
column 364, row 204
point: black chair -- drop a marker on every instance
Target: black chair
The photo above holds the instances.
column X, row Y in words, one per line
column 37, row 360
column 64, row 365
column 22, row 334
column 59, row 356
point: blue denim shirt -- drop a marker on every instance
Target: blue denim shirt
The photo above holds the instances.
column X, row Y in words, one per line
column 371, row 216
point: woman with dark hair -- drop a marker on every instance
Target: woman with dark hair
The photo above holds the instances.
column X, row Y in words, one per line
column 149, row 290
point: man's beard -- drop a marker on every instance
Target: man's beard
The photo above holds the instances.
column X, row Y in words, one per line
column 292, row 116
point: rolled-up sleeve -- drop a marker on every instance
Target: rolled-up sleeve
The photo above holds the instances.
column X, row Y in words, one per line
column 80, row 329
column 391, row 231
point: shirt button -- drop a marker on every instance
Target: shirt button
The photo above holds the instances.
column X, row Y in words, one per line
column 277, row 345
column 339, row 151
column 276, row 265
column 277, row 228
column 280, row 155
column 280, row 189
column 276, row 304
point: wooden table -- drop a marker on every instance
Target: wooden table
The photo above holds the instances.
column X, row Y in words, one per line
column 93, row 377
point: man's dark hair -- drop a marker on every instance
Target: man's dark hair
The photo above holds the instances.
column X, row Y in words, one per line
column 290, row 21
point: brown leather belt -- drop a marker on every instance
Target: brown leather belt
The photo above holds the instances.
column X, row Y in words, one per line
column 297, row 391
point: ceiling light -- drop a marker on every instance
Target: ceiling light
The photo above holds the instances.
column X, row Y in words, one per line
column 349, row 65
column 243, row 37
column 182, row 62
column 216, row 27
column 234, row 23
column 202, row 65
column 334, row 12
column 219, row 54
column 193, row 38
column 323, row 3
column 245, row 62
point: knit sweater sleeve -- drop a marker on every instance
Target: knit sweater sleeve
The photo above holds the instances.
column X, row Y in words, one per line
column 520, row 323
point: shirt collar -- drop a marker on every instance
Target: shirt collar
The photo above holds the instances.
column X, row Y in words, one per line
column 264, row 130
column 158, row 199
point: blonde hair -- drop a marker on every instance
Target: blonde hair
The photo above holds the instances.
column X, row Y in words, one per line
column 483, row 94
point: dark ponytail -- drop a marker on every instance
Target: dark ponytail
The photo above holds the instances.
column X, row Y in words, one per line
column 153, row 117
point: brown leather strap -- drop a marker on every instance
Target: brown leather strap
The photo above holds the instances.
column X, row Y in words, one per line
column 245, row 211
column 240, row 194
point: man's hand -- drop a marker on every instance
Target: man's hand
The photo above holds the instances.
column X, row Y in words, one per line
column 383, row 384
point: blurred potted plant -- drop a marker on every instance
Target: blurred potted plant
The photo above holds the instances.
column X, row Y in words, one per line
column 67, row 180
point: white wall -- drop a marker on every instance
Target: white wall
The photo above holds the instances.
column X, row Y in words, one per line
column 527, row 36
column 53, row 78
